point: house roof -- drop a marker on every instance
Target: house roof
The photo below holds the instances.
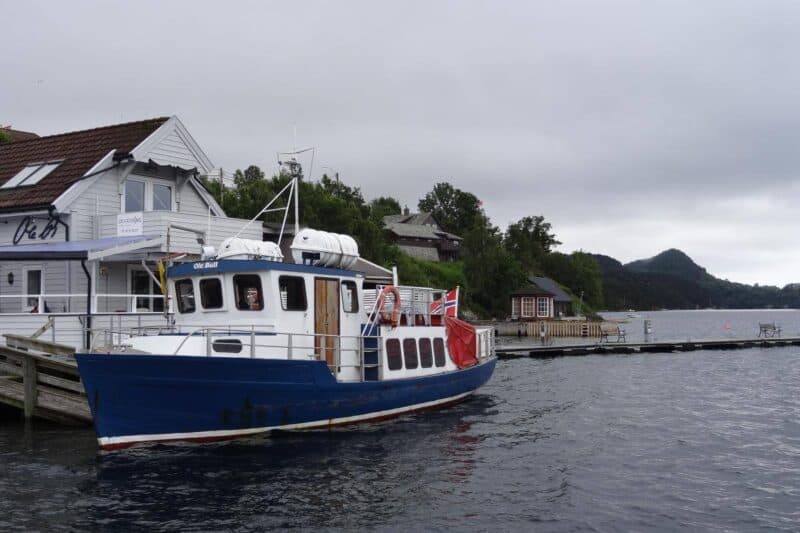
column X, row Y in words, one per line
column 18, row 135
column 79, row 151
column 416, row 225
column 532, row 290
column 552, row 287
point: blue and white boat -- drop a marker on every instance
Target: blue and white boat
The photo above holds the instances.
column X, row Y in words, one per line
column 260, row 344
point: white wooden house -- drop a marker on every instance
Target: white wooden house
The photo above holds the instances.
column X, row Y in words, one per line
column 125, row 195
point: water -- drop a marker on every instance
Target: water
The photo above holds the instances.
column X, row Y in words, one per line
column 706, row 440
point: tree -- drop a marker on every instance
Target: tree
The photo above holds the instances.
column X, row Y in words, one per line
column 490, row 272
column 5, row 137
column 453, row 208
column 383, row 206
column 529, row 240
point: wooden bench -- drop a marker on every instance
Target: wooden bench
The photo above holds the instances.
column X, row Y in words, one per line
column 768, row 329
column 610, row 329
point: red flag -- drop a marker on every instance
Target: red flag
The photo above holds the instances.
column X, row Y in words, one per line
column 450, row 304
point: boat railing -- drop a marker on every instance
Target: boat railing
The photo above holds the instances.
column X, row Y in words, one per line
column 250, row 340
column 416, row 304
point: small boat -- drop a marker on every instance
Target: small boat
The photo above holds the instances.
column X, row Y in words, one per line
column 259, row 344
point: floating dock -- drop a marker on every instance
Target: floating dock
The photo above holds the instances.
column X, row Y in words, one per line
column 535, row 350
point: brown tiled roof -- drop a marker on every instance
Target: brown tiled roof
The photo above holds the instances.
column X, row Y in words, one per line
column 79, row 150
column 17, row 135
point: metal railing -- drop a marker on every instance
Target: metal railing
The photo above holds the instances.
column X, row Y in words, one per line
column 415, row 303
column 249, row 340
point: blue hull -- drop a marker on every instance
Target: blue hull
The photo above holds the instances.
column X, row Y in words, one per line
column 140, row 398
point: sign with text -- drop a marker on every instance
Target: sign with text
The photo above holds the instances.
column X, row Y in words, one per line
column 33, row 228
column 130, row 224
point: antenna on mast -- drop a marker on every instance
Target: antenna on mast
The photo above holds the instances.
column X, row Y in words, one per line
column 287, row 162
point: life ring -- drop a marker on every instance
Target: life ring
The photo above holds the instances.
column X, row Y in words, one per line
column 394, row 317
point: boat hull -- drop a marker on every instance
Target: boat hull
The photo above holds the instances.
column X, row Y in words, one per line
column 153, row 398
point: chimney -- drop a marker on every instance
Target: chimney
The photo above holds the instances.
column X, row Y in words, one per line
column 406, row 211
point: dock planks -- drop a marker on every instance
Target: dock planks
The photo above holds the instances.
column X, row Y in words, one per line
column 512, row 352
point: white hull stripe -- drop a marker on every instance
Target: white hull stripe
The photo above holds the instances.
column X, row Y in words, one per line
column 222, row 433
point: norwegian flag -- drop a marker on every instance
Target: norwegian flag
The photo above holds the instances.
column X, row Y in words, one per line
column 450, row 304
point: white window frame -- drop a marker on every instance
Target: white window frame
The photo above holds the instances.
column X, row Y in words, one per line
column 24, row 289
column 227, row 295
column 542, row 310
column 525, row 311
column 20, row 178
column 148, row 192
column 516, row 306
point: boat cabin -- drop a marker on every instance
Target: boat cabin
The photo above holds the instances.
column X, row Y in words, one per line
column 247, row 302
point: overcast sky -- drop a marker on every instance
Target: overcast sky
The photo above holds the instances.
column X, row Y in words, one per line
column 633, row 127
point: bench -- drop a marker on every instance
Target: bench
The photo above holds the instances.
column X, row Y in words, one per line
column 607, row 330
column 768, row 329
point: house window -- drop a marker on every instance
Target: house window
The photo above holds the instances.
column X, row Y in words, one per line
column 528, row 306
column 515, row 307
column 162, row 197
column 247, row 290
column 410, row 353
column 34, row 286
column 31, row 174
column 349, row 297
column 184, row 292
column 148, row 293
column 543, row 307
column 211, row 293
column 293, row 293
column 147, row 195
column 134, row 196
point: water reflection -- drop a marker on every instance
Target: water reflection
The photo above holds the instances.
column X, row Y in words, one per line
column 347, row 477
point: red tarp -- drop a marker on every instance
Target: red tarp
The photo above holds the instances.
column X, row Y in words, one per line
column 461, row 342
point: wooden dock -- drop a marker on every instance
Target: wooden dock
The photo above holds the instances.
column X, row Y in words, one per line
column 41, row 378
column 532, row 350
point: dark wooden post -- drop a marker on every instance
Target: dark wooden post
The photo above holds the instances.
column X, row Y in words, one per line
column 29, row 381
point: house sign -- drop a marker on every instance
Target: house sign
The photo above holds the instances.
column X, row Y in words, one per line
column 29, row 229
column 130, row 224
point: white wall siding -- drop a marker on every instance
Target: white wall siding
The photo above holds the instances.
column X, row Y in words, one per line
column 173, row 150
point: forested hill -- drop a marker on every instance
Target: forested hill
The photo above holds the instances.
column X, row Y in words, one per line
column 671, row 280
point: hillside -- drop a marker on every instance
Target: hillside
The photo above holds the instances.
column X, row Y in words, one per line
column 672, row 280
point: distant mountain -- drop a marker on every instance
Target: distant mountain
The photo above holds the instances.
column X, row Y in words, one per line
column 673, row 262
column 672, row 280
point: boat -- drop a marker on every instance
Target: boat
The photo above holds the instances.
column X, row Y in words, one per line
column 259, row 343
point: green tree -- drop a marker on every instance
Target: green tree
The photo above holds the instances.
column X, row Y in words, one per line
column 530, row 240
column 453, row 208
column 383, row 206
column 490, row 272
column 5, row 137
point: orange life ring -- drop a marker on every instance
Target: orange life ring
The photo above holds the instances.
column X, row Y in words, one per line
column 386, row 318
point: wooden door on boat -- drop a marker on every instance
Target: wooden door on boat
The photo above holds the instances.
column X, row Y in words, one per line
column 326, row 318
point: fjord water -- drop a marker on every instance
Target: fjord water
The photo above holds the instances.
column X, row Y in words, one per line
column 706, row 440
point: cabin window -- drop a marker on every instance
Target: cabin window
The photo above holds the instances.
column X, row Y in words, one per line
column 211, row 293
column 438, row 351
column 293, row 293
column 528, row 303
column 134, row 196
column 247, row 290
column 227, row 346
column 543, row 309
column 393, row 357
column 410, row 353
column 184, row 292
column 349, row 297
column 425, row 353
